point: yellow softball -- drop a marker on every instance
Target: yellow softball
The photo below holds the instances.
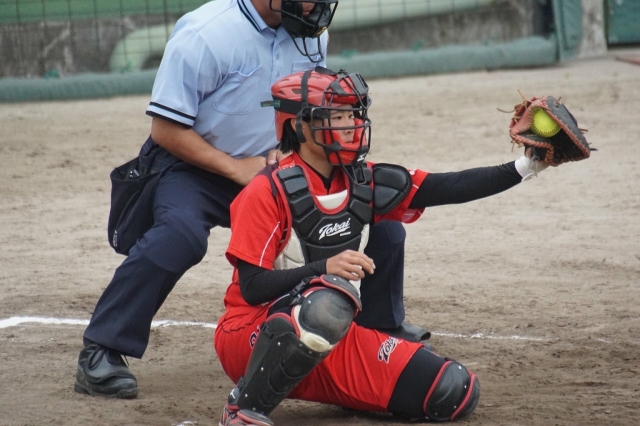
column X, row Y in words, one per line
column 543, row 125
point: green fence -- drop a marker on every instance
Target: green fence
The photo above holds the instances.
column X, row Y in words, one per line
column 24, row 11
column 72, row 49
column 622, row 21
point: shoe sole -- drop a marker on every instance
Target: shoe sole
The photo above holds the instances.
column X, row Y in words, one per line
column 122, row 394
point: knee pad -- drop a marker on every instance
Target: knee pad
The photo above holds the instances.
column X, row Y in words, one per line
column 434, row 388
column 454, row 393
column 322, row 317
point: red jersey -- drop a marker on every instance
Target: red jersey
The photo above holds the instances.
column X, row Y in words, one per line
column 259, row 220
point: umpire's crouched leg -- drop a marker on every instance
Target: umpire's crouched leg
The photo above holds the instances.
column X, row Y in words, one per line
column 186, row 206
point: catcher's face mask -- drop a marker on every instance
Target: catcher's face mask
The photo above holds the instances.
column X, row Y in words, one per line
column 342, row 132
column 335, row 105
column 304, row 19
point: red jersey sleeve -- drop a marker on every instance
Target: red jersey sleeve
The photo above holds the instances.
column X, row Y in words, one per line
column 256, row 228
column 402, row 212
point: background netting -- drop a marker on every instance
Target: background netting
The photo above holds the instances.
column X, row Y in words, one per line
column 50, row 38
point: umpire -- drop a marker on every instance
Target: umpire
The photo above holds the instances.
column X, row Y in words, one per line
column 218, row 65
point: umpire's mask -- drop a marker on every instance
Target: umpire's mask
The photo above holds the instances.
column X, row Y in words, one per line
column 303, row 26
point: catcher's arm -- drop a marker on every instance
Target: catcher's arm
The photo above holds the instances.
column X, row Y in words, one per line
column 439, row 189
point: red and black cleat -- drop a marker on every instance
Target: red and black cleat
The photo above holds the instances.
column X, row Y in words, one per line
column 232, row 416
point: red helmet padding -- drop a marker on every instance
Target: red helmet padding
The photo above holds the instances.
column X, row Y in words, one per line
column 348, row 150
column 324, row 90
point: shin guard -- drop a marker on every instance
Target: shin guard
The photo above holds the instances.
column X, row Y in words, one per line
column 279, row 362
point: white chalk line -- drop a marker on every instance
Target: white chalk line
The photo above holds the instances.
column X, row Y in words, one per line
column 15, row 321
column 491, row 337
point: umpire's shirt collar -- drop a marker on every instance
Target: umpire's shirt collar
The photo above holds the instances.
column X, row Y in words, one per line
column 250, row 12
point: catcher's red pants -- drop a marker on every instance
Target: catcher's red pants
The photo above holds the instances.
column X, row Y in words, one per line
column 360, row 373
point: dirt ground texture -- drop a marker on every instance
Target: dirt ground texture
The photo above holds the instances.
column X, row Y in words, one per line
column 536, row 289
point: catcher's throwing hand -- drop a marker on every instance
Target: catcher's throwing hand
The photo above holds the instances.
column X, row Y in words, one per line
column 548, row 131
column 350, row 265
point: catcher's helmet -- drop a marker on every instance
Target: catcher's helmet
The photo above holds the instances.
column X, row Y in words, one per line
column 311, row 96
column 303, row 25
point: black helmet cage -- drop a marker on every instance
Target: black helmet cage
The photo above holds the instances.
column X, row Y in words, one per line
column 334, row 95
column 304, row 27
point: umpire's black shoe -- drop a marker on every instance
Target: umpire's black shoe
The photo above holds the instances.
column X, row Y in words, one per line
column 103, row 372
column 408, row 332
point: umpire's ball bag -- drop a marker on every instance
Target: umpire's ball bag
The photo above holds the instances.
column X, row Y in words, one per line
column 133, row 185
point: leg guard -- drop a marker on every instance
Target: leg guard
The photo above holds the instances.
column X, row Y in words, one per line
column 289, row 347
column 454, row 393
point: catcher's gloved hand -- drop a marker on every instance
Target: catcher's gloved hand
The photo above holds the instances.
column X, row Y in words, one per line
column 548, row 131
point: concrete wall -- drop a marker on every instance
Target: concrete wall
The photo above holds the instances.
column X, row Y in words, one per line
column 66, row 48
column 37, row 49
column 594, row 42
column 504, row 21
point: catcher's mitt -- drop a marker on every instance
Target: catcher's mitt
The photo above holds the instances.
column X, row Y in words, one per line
column 567, row 143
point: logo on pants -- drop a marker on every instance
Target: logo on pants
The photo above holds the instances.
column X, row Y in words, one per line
column 254, row 337
column 387, row 347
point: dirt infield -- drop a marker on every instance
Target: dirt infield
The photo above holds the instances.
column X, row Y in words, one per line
column 536, row 289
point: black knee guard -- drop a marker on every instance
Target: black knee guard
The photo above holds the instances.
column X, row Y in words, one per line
column 289, row 347
column 434, row 388
column 454, row 394
column 323, row 314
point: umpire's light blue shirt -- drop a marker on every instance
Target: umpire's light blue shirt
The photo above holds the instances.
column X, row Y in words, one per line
column 218, row 65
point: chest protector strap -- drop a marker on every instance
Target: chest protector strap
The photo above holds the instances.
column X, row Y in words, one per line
column 322, row 234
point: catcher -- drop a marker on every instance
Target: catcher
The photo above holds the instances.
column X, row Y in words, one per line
column 298, row 232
